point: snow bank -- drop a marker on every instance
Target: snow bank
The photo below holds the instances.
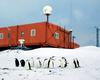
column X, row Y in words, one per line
column 87, row 55
column 89, row 58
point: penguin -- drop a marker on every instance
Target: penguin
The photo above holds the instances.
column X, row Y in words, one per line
column 45, row 63
column 22, row 63
column 32, row 62
column 59, row 63
column 29, row 65
column 77, row 62
column 26, row 64
column 65, row 62
column 16, row 62
column 48, row 63
column 56, row 62
column 38, row 63
column 51, row 63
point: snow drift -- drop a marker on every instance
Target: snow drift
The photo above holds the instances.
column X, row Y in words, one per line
column 87, row 56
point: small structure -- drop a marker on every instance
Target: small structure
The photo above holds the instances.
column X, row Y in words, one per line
column 22, row 42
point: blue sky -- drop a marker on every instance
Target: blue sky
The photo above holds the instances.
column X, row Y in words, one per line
column 79, row 15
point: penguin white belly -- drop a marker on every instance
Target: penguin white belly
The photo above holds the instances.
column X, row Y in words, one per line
column 56, row 63
column 32, row 63
column 45, row 64
column 37, row 64
column 62, row 63
column 51, row 65
column 26, row 65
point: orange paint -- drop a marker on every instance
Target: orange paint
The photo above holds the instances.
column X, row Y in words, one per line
column 41, row 38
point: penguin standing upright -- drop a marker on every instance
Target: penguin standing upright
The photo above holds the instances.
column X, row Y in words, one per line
column 29, row 65
column 65, row 62
column 75, row 64
column 45, row 63
column 62, row 62
column 38, row 63
column 16, row 62
column 59, row 63
column 48, row 63
column 51, row 63
column 22, row 63
column 77, row 61
column 32, row 62
column 26, row 64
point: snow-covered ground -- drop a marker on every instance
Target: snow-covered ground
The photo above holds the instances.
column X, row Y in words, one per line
column 89, row 58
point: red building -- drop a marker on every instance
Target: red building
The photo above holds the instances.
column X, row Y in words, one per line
column 36, row 35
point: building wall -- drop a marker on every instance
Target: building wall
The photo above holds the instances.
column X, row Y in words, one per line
column 6, row 41
column 30, row 40
column 63, row 36
column 44, row 35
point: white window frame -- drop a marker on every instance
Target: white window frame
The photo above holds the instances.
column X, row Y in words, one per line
column 33, row 32
column 1, row 35
column 56, row 35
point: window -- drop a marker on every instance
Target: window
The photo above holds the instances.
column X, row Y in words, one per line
column 56, row 35
column 22, row 34
column 1, row 35
column 33, row 32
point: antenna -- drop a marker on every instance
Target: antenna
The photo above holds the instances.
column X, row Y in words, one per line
column 97, row 36
column 73, row 37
